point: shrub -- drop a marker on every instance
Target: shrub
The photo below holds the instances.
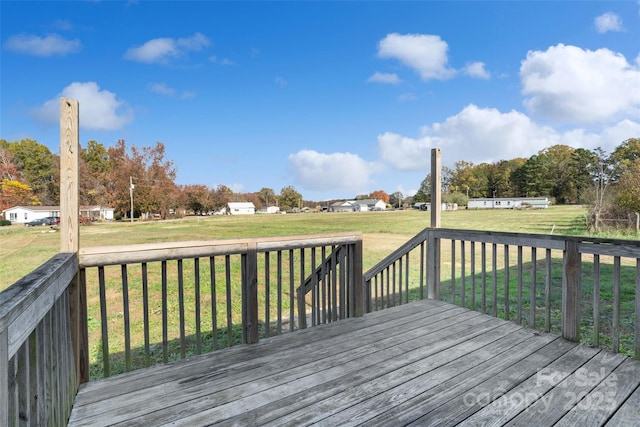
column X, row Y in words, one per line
column 4, row 222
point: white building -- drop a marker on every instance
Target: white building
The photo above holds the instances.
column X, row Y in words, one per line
column 97, row 212
column 23, row 214
column 240, row 208
column 362, row 205
column 269, row 210
column 426, row 206
column 509, row 203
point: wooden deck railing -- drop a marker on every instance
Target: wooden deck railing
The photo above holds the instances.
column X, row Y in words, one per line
column 571, row 285
column 38, row 382
column 159, row 302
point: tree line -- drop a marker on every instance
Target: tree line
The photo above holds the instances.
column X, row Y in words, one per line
column 609, row 183
column 29, row 174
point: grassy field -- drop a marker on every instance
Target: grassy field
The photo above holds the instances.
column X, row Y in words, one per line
column 26, row 248
column 23, row 248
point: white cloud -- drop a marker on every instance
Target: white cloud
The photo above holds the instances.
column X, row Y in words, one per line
column 163, row 89
column 488, row 135
column 162, row 50
column 50, row 45
column 99, row 109
column 224, row 61
column 570, row 84
column 404, row 153
column 426, row 54
column 62, row 24
column 477, row 70
column 388, row 78
column 608, row 22
column 331, row 172
column 281, row 82
column 407, row 97
column 475, row 134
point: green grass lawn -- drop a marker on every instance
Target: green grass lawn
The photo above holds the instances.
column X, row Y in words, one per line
column 383, row 232
column 23, row 248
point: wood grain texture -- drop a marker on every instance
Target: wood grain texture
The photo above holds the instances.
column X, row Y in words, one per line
column 69, row 175
column 427, row 363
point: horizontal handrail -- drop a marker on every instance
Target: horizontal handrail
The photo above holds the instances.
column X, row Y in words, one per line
column 25, row 303
column 148, row 252
column 492, row 272
column 184, row 296
column 37, row 365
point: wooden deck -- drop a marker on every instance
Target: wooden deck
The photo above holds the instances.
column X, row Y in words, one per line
column 424, row 363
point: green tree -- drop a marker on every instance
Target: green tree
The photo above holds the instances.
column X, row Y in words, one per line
column 582, row 174
column 38, row 169
column 290, row 198
column 94, row 166
column 267, row 196
column 628, row 192
column 197, row 198
column 15, row 193
column 624, row 156
column 220, row 196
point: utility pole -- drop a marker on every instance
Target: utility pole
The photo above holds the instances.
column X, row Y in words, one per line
column 131, row 186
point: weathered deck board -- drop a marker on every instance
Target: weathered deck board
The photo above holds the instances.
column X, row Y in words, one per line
column 428, row 363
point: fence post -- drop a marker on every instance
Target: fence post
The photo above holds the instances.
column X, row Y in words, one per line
column 433, row 265
column 4, row 377
column 436, row 188
column 571, row 292
column 70, row 231
column 250, row 295
column 358, row 291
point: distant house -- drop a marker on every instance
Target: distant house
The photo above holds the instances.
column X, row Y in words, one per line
column 22, row 214
column 371, row 204
column 240, row 208
column 363, row 205
column 97, row 212
column 346, row 206
column 509, row 203
column 426, row 206
column 269, row 210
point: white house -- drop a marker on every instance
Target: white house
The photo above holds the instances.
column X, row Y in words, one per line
column 372, row 204
column 509, row 203
column 22, row 214
column 347, row 206
column 97, row 212
column 362, row 205
column 426, row 206
column 269, row 210
column 240, row 208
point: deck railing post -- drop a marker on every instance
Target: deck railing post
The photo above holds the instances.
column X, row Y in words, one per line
column 70, row 231
column 433, row 265
column 571, row 292
column 250, row 295
column 4, row 377
column 357, row 291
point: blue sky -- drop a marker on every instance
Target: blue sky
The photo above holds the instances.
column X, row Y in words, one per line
column 334, row 98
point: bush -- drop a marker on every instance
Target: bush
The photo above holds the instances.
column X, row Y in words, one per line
column 4, row 222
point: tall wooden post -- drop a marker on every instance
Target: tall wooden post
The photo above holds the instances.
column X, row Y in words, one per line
column 436, row 188
column 250, row 295
column 571, row 292
column 70, row 229
column 433, row 242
